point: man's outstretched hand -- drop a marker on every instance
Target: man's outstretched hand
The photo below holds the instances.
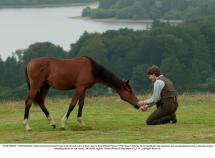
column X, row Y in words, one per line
column 143, row 108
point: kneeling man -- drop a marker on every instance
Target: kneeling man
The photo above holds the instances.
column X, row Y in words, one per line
column 164, row 96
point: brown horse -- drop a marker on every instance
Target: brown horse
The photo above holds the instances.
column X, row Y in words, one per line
column 66, row 74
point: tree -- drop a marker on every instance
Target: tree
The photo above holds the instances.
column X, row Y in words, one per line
column 210, row 83
column 202, row 57
column 149, row 9
column 156, row 10
column 44, row 49
column 106, row 4
column 1, row 71
column 139, row 79
column 94, row 47
column 185, row 78
column 86, row 12
column 12, row 74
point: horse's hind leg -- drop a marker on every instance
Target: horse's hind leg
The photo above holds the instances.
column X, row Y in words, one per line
column 40, row 100
column 80, row 104
column 28, row 103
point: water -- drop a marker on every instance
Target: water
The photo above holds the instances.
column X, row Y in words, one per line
column 20, row 27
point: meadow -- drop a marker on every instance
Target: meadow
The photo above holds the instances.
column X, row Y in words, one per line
column 110, row 120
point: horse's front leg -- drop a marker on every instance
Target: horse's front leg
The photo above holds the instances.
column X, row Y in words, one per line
column 80, row 104
column 75, row 98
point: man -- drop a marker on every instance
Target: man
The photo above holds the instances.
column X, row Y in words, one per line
column 164, row 96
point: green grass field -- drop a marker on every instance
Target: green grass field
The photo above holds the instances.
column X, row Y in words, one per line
column 110, row 120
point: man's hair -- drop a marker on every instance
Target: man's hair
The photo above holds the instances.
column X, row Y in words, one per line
column 153, row 70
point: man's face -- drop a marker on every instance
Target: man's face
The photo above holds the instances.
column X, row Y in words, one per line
column 152, row 77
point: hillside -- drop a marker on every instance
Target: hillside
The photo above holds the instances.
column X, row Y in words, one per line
column 151, row 9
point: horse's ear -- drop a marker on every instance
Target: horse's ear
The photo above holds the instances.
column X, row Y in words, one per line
column 127, row 82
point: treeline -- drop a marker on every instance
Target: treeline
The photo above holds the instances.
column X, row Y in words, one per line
column 9, row 3
column 151, row 9
column 185, row 54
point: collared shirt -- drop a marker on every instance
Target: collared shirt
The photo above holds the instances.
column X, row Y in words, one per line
column 158, row 86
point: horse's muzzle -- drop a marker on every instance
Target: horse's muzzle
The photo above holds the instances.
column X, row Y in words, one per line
column 136, row 107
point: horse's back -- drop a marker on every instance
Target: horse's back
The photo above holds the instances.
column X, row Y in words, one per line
column 60, row 73
column 53, row 63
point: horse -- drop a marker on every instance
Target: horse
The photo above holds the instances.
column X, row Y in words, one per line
column 79, row 73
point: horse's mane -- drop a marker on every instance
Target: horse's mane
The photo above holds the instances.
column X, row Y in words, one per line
column 105, row 75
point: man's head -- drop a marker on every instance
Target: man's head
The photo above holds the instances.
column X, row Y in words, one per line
column 153, row 72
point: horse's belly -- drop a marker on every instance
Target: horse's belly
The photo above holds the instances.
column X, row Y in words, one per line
column 62, row 86
column 61, row 83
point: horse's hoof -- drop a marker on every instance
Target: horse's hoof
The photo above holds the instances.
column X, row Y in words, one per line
column 29, row 130
column 82, row 124
column 53, row 126
column 63, row 128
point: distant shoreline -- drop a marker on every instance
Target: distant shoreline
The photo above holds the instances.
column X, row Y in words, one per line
column 45, row 5
column 146, row 21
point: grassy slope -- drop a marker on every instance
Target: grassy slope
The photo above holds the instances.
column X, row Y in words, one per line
column 110, row 120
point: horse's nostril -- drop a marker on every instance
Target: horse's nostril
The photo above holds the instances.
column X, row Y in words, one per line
column 136, row 107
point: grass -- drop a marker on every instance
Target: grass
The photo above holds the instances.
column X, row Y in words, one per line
column 110, row 120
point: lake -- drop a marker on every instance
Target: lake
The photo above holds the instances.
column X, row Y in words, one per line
column 20, row 27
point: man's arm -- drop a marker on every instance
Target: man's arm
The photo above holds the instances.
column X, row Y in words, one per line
column 158, row 86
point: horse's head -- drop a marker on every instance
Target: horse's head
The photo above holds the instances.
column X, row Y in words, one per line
column 128, row 95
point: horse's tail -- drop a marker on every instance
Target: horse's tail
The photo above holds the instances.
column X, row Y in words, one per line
column 27, row 79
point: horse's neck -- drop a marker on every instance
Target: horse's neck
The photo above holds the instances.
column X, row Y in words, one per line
column 115, row 88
